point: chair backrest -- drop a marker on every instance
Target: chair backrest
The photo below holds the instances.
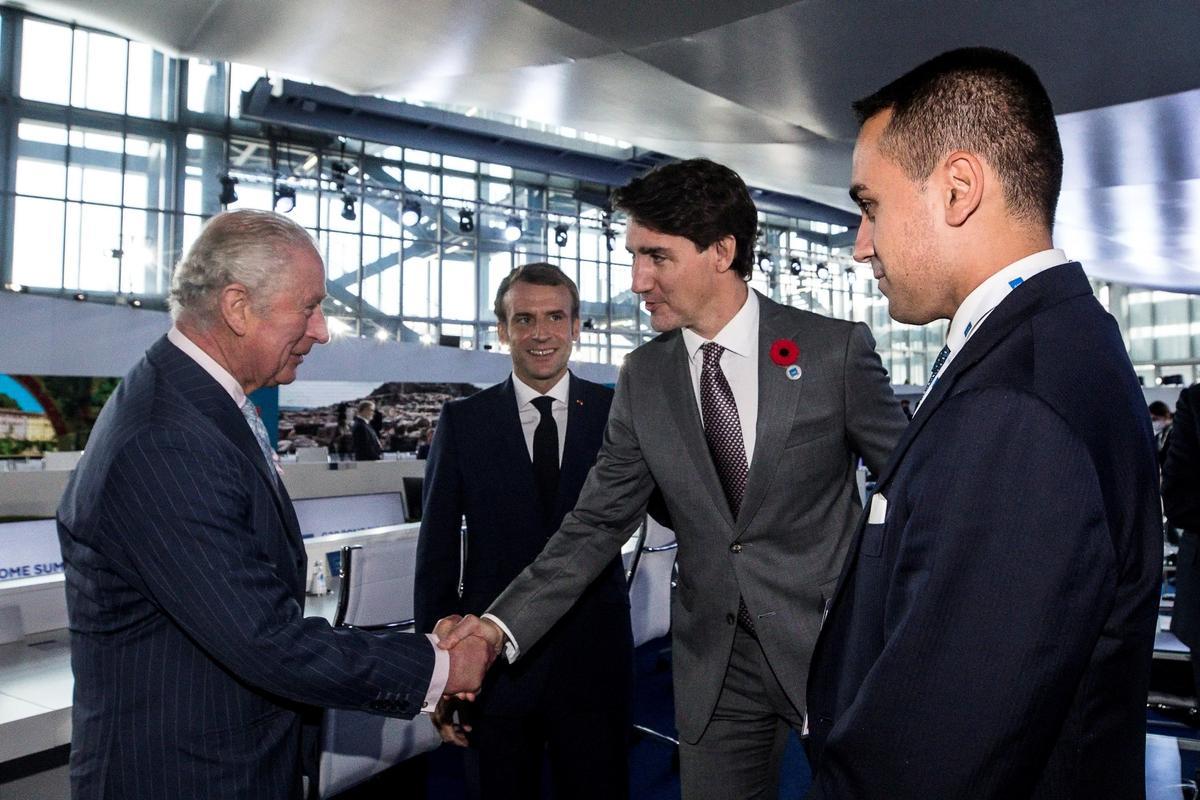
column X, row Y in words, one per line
column 651, row 571
column 312, row 455
column 377, row 583
column 376, row 593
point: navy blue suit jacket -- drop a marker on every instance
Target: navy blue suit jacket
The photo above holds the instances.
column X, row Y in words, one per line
column 479, row 467
column 991, row 638
column 194, row 663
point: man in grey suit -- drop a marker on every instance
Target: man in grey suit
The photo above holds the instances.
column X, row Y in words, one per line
column 750, row 417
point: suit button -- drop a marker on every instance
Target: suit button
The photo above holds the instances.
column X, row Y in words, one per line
column 730, row 618
column 736, row 547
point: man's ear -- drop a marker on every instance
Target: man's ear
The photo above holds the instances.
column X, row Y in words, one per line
column 725, row 249
column 963, row 181
column 235, row 308
column 502, row 331
column 575, row 329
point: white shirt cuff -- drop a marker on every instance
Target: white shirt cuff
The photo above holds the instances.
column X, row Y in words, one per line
column 511, row 650
column 441, row 674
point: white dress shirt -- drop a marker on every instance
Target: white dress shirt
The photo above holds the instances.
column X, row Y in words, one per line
column 441, row 664
column 530, row 416
column 983, row 300
column 739, row 362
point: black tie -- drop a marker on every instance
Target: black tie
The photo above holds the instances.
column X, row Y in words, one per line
column 723, row 431
column 545, row 455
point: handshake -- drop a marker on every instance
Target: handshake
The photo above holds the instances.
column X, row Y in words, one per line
column 474, row 644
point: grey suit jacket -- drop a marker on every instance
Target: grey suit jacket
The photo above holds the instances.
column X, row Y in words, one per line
column 798, row 512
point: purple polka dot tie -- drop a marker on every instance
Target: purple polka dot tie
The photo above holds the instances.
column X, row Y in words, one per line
column 722, row 428
column 723, row 431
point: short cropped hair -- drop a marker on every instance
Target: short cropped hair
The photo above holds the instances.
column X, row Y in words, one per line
column 366, row 404
column 1159, row 409
column 986, row 102
column 244, row 246
column 539, row 273
column 698, row 199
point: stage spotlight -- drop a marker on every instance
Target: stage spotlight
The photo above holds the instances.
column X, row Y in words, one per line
column 14, row 287
column 81, row 296
column 822, row 270
column 512, row 230
column 135, row 302
column 382, row 335
column 794, row 267
column 466, row 220
column 411, row 214
column 589, row 324
column 560, row 235
column 228, row 194
column 610, row 236
column 348, row 207
column 764, row 261
column 285, row 198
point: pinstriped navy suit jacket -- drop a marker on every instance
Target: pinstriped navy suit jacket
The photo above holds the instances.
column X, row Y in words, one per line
column 193, row 659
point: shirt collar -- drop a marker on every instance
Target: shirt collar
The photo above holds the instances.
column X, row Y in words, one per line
column 526, row 393
column 987, row 295
column 208, row 364
column 739, row 336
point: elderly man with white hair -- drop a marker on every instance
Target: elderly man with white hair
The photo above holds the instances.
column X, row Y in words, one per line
column 195, row 667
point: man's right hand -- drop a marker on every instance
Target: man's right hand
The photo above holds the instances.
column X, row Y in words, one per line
column 469, row 661
column 469, row 626
column 443, row 719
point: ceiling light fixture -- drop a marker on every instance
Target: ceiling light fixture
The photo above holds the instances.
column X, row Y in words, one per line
column 512, row 230
column 560, row 235
column 764, row 261
column 411, row 214
column 348, row 207
column 466, row 220
column 228, row 194
column 822, row 270
column 285, row 198
column 794, row 267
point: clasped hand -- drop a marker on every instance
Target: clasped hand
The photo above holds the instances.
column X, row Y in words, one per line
column 474, row 644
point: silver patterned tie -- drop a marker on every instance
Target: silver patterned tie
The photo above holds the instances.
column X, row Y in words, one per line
column 260, row 433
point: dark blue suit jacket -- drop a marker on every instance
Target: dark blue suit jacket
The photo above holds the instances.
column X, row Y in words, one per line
column 479, row 467
column 193, row 659
column 991, row 638
column 1181, row 504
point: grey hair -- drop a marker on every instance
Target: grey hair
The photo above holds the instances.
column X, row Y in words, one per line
column 244, row 246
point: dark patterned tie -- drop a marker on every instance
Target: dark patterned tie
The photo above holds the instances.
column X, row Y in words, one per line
column 723, row 431
column 937, row 365
column 545, row 455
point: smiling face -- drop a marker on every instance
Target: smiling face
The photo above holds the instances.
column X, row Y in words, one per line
column 681, row 286
column 279, row 335
column 538, row 328
column 897, row 234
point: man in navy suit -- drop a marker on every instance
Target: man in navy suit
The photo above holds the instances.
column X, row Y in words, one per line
column 512, row 460
column 366, row 441
column 991, row 633
column 194, row 664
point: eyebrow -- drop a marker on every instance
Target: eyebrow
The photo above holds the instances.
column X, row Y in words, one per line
column 651, row 251
column 856, row 192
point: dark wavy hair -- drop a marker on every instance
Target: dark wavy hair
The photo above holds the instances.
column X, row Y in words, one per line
column 986, row 102
column 698, row 199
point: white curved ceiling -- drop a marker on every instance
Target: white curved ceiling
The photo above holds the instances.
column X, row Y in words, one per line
column 762, row 85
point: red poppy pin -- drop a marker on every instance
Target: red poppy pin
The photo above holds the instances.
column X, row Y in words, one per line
column 785, row 353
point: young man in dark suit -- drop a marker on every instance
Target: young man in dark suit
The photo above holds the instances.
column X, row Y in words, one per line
column 749, row 416
column 366, row 440
column 511, row 460
column 992, row 630
column 195, row 667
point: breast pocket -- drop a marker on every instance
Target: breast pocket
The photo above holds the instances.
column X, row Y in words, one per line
column 871, row 545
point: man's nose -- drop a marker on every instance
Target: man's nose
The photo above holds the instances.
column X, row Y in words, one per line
column 864, row 244
column 318, row 329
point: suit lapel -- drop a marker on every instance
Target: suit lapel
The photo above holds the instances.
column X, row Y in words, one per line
column 1041, row 291
column 211, row 400
column 681, row 399
column 778, row 402
column 575, row 450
